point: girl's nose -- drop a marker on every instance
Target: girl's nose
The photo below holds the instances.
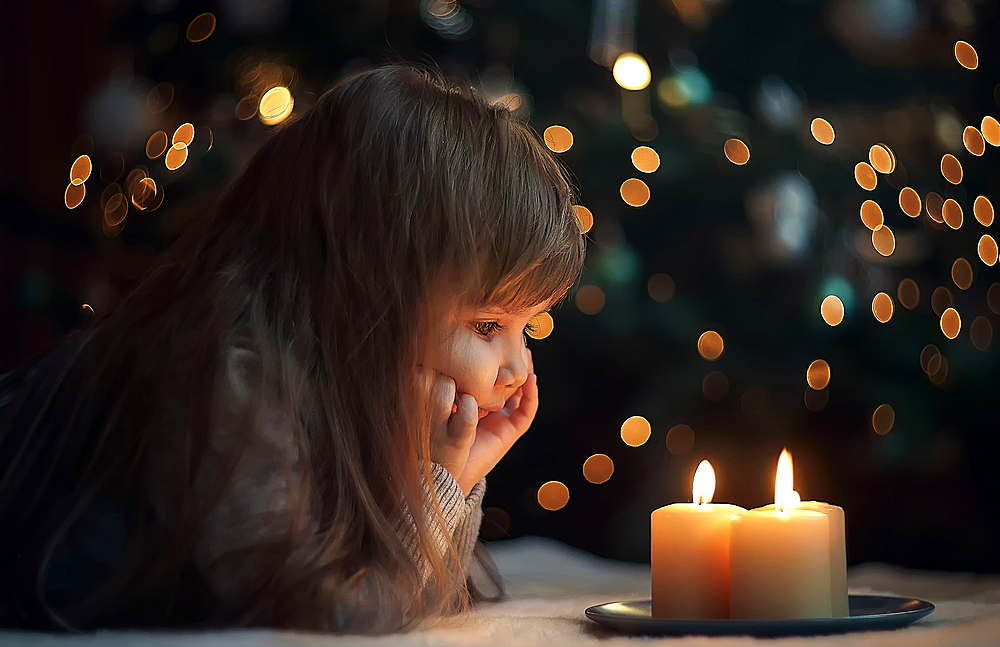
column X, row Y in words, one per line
column 514, row 371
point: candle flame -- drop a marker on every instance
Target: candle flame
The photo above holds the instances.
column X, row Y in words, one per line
column 785, row 498
column 703, row 486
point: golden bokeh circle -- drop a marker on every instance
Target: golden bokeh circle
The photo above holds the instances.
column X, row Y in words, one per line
column 934, row 204
column 559, row 139
column 74, row 194
column 541, row 326
column 966, row 55
column 987, row 249
column 631, row 71
column 832, row 310
column 598, row 468
column 176, row 156
column 871, row 215
column 201, row 27
column 635, row 431
column 822, row 131
column 941, row 374
column 818, row 374
column 882, row 307
column 715, row 386
column 993, row 298
column 183, row 135
column 585, row 217
column 275, row 105
column 80, row 170
column 865, row 176
column 156, row 145
column 884, row 241
column 973, row 140
column 115, row 210
column 736, row 151
column 645, row 159
column 941, row 300
column 908, row 293
column 909, row 202
column 144, row 193
column 680, row 439
column 883, row 419
column 930, row 359
column 661, row 287
column 590, row 299
column 952, row 214
column 981, row 333
column 951, row 323
column 553, row 496
column 710, row 345
column 634, row 192
column 990, row 128
column 160, row 97
column 246, row 108
column 882, row 159
column 951, row 168
column 816, row 400
column 961, row 273
column 982, row 208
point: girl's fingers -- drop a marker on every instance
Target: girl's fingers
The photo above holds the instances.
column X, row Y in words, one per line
column 514, row 401
column 462, row 425
column 531, row 362
column 442, row 399
column 522, row 416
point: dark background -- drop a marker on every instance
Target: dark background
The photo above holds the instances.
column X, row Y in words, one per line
column 752, row 249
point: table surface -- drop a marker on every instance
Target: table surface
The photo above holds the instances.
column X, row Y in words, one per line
column 549, row 585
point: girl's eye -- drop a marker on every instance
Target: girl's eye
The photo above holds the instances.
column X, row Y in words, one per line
column 487, row 328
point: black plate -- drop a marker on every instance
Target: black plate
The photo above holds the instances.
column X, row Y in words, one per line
column 868, row 612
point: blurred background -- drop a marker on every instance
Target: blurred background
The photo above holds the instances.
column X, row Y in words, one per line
column 788, row 205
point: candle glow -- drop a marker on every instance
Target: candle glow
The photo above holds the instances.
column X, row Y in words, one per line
column 785, row 498
column 703, row 486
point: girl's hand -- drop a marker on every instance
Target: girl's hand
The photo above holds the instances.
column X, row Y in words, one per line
column 453, row 421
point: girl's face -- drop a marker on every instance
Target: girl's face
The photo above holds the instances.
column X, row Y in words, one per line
column 484, row 351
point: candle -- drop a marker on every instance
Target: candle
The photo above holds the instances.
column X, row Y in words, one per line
column 780, row 558
column 690, row 553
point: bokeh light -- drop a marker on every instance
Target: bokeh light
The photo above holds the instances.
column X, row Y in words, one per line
column 816, row 400
column 973, row 140
column 993, row 298
column 160, row 97
column 832, row 310
column 598, row 468
column 909, row 202
column 645, row 159
column 736, row 151
column 144, row 194
column 951, row 168
column 941, row 300
column 176, row 156
column 541, row 326
column 884, row 241
column 981, row 333
column 275, row 105
column 934, row 204
column 818, row 374
column 883, row 419
column 184, row 134
column 941, row 373
column 882, row 307
column 710, row 345
column 553, row 496
column 246, row 108
column 822, row 131
column 559, row 139
column 871, row 215
column 635, row 431
column 74, row 195
column 115, row 210
column 952, row 214
column 680, row 440
column 908, row 293
column 585, row 216
column 634, row 192
column 961, row 273
column 988, row 250
column 631, row 71
column 930, row 359
column 966, row 55
column 982, row 208
column 951, row 323
column 661, row 287
column 865, row 176
column 590, row 299
column 715, row 386
column 201, row 27
column 156, row 145
column 81, row 169
column 882, row 159
column 991, row 130
column 113, row 167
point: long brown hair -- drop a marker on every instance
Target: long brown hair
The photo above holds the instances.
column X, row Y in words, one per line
column 318, row 266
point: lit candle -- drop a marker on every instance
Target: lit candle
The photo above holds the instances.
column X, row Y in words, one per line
column 690, row 553
column 780, row 558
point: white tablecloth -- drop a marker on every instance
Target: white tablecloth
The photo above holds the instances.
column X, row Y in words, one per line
column 550, row 585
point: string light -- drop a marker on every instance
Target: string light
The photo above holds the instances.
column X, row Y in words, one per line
column 635, row 431
column 736, row 151
column 631, row 71
column 559, row 139
column 710, row 345
column 822, row 131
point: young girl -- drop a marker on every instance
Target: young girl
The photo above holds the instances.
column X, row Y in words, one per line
column 289, row 422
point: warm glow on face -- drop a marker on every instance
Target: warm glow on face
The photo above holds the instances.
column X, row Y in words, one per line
column 934, row 204
column 680, row 439
column 275, row 105
column 590, row 299
column 961, row 274
column 822, row 131
column 645, row 159
column 176, row 156
column 785, row 496
column 631, row 71
column 559, row 139
column 598, row 468
column 553, row 496
column 541, row 326
column 80, row 171
column 736, row 151
column 710, row 345
column 982, row 208
column 951, row 213
column 882, row 307
column 634, row 192
column 973, row 140
column 909, row 202
column 882, row 159
column 703, row 485
column 818, row 375
column 908, row 293
column 636, row 431
column 585, row 216
column 865, row 176
column 988, row 250
column 991, row 130
column 201, row 27
column 951, row 168
column 951, row 323
column 871, row 215
column 832, row 310
column 661, row 287
column 882, row 419
column 966, row 55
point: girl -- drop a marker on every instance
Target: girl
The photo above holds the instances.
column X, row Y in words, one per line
column 289, row 422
